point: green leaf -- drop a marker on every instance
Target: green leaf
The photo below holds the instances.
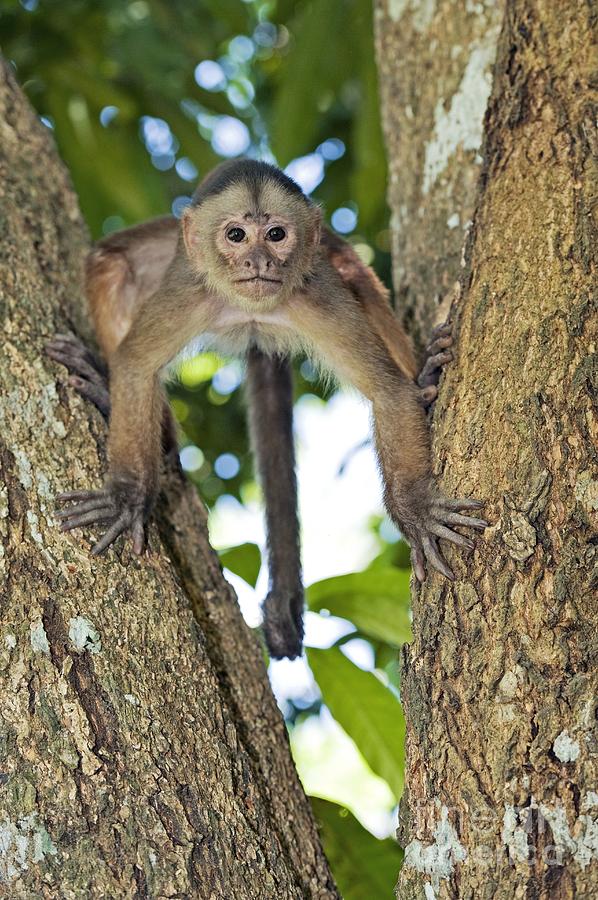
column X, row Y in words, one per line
column 244, row 560
column 376, row 601
column 364, row 867
column 369, row 712
column 397, row 554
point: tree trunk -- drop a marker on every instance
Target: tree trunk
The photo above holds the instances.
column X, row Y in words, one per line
column 500, row 682
column 141, row 751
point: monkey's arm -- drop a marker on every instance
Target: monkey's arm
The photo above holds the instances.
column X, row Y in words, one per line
column 163, row 325
column 122, row 271
column 344, row 338
column 373, row 298
column 372, row 295
column 270, row 396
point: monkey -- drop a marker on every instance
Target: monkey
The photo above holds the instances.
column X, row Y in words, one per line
column 249, row 270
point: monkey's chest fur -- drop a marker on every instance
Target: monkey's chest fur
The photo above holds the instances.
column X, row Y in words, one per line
column 233, row 331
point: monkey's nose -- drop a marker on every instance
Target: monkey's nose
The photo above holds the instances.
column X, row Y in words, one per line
column 257, row 264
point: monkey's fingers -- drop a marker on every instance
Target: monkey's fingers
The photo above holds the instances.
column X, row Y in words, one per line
column 434, row 556
column 73, row 356
column 70, row 339
column 439, row 343
column 98, row 502
column 121, row 524
column 97, row 394
column 459, row 503
column 432, row 366
column 441, row 337
column 428, row 395
column 89, row 376
column 442, row 330
column 73, row 363
column 448, row 534
column 65, row 343
column 468, row 521
column 88, row 518
column 75, row 350
column 417, row 562
column 67, row 496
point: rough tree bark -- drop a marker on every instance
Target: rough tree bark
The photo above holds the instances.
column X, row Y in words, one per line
column 141, row 750
column 500, row 682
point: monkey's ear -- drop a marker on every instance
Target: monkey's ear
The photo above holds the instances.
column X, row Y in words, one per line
column 190, row 233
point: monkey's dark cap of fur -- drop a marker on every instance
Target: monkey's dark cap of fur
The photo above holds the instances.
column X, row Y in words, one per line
column 251, row 172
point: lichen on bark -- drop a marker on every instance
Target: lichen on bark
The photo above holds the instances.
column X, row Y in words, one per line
column 433, row 116
column 141, row 750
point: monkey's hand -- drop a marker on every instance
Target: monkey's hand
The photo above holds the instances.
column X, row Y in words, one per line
column 424, row 516
column 89, row 375
column 122, row 505
column 437, row 355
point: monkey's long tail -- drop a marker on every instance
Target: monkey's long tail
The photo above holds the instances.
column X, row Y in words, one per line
column 283, row 625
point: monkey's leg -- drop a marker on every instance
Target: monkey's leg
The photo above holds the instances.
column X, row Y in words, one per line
column 89, row 376
column 341, row 334
column 163, row 325
column 121, row 270
column 270, row 395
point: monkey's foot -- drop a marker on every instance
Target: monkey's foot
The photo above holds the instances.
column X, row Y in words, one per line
column 89, row 375
column 436, row 357
column 283, row 624
column 121, row 509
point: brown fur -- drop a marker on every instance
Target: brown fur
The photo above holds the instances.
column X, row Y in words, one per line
column 123, row 270
column 363, row 282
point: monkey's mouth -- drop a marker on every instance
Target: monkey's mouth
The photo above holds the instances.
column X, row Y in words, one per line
column 258, row 278
column 259, row 287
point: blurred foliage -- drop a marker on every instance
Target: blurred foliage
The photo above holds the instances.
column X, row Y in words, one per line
column 376, row 601
column 138, row 116
column 244, row 560
column 365, row 703
column 364, row 867
column 307, row 74
column 366, row 709
column 119, row 84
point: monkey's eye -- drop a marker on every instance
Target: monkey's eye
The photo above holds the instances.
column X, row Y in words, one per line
column 276, row 234
column 236, row 235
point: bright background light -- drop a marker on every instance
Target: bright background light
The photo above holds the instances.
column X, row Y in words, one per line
column 185, row 169
column 335, row 511
column 344, row 219
column 307, row 171
column 230, row 136
column 210, row 75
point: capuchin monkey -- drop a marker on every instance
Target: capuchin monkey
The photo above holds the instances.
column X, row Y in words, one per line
column 249, row 271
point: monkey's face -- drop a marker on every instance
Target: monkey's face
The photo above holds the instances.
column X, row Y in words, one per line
column 253, row 243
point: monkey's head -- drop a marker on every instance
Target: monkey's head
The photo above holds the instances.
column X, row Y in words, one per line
column 251, row 233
